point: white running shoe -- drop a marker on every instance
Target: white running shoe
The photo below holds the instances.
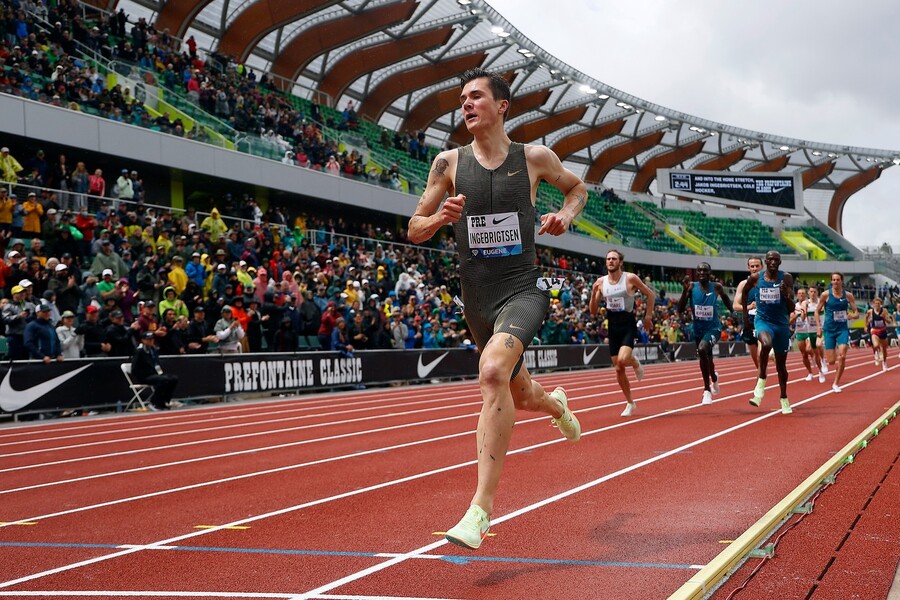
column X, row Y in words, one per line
column 836, row 388
column 568, row 423
column 715, row 384
column 884, row 366
column 825, row 367
column 629, row 408
column 785, row 407
column 809, row 377
column 638, row 370
column 707, row 397
column 471, row 530
column 821, row 377
column 758, row 392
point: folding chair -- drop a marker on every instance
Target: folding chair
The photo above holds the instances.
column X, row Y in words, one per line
column 136, row 390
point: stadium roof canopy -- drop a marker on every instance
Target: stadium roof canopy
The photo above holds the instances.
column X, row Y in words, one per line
column 399, row 60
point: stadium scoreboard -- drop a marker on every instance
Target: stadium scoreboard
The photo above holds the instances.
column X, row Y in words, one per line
column 761, row 191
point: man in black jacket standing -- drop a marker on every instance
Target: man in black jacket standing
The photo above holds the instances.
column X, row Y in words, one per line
column 145, row 369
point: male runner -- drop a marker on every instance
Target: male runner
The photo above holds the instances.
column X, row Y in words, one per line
column 818, row 343
column 775, row 303
column 840, row 308
column 805, row 329
column 877, row 321
column 491, row 184
column 617, row 288
column 754, row 265
column 703, row 296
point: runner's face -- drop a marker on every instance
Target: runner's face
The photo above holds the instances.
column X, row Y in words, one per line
column 836, row 282
column 801, row 295
column 613, row 263
column 754, row 266
column 478, row 105
column 703, row 274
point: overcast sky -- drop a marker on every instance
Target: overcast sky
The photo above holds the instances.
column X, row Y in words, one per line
column 818, row 70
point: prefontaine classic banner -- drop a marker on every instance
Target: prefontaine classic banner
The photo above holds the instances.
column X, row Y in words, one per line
column 31, row 386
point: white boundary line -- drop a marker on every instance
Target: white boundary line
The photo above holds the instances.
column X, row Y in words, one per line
column 401, row 558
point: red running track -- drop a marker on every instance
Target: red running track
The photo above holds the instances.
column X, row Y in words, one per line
column 345, row 495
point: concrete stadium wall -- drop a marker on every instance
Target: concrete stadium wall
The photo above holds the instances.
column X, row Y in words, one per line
column 49, row 123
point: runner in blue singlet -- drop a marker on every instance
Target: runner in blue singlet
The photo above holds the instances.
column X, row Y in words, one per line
column 704, row 299
column 840, row 308
column 775, row 303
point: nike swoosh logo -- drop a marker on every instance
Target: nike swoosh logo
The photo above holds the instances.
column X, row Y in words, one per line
column 497, row 222
column 12, row 400
column 588, row 356
column 709, row 293
column 423, row 369
column 516, row 327
column 511, row 173
column 776, row 190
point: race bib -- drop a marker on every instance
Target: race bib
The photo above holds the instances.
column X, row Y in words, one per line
column 494, row 235
column 615, row 304
column 550, row 283
column 703, row 313
column 770, row 295
column 839, row 316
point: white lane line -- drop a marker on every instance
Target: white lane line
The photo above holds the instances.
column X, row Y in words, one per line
column 322, row 589
column 562, row 495
column 253, row 409
column 669, row 392
column 588, row 385
column 184, row 594
column 305, row 442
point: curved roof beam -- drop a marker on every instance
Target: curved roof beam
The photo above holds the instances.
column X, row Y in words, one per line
column 722, row 161
column 812, row 175
column 431, row 108
column 327, row 36
column 404, row 82
column 177, row 15
column 771, row 166
column 378, row 56
column 519, row 106
column 537, row 129
column 571, row 144
column 675, row 156
column 259, row 19
column 848, row 187
column 616, row 155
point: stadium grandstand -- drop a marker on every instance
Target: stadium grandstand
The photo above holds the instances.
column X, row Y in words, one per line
column 165, row 161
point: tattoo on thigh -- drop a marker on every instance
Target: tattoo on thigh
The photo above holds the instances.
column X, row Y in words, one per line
column 509, row 342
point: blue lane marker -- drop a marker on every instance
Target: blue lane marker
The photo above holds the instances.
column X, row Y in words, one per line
column 460, row 560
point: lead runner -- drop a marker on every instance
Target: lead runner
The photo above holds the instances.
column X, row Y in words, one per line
column 492, row 185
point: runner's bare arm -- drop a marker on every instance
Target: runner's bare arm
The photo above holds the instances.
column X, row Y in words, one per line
column 787, row 291
column 544, row 164
column 723, row 294
column 596, row 295
column 823, row 297
column 430, row 215
column 738, row 294
column 650, row 296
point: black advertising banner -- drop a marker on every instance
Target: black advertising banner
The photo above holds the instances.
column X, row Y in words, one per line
column 32, row 386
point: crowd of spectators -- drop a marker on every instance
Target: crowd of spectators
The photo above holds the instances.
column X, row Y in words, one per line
column 47, row 63
column 122, row 267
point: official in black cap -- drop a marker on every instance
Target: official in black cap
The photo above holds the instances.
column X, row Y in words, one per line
column 145, row 369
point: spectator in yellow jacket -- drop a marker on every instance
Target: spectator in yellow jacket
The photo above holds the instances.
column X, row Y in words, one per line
column 33, row 211
column 178, row 276
column 9, row 166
